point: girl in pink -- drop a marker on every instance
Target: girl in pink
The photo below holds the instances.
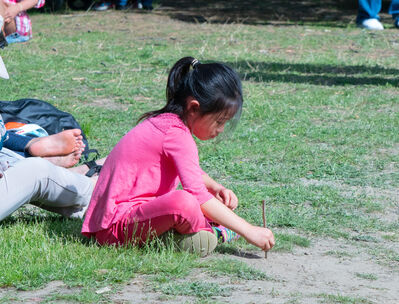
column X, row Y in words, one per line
column 135, row 198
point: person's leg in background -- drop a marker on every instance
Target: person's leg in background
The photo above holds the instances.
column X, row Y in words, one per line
column 394, row 11
column 103, row 5
column 121, row 5
column 367, row 16
column 147, row 4
column 48, row 186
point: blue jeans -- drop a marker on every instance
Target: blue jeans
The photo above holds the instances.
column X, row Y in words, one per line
column 146, row 3
column 370, row 9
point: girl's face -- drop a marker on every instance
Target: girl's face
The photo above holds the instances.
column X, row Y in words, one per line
column 208, row 126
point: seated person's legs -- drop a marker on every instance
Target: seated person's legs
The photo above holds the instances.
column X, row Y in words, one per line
column 62, row 143
column 62, row 149
column 35, row 180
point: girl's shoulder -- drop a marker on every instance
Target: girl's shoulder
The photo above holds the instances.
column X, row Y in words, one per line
column 164, row 122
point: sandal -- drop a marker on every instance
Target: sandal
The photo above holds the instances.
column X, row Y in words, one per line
column 93, row 168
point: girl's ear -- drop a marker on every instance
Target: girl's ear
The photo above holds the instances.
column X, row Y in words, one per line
column 193, row 106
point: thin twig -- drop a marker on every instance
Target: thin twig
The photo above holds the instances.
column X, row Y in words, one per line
column 264, row 219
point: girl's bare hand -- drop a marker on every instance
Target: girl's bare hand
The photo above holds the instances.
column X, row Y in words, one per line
column 228, row 198
column 260, row 237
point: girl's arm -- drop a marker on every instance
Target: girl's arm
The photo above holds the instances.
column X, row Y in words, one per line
column 226, row 196
column 219, row 213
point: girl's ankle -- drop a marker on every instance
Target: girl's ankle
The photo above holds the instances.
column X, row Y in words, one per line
column 225, row 235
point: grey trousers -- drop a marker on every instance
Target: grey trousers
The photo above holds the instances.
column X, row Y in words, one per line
column 39, row 182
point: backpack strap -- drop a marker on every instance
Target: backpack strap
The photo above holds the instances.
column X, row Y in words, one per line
column 93, row 168
column 91, row 164
column 90, row 151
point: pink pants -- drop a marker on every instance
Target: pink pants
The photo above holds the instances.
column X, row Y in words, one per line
column 178, row 210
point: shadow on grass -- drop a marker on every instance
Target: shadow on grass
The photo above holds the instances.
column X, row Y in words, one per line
column 225, row 249
column 318, row 74
column 337, row 13
column 55, row 225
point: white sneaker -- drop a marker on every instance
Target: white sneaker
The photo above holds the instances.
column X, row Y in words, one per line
column 202, row 242
column 372, row 24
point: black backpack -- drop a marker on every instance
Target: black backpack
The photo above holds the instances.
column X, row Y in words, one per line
column 43, row 114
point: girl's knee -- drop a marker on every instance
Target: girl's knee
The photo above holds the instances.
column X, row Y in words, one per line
column 184, row 201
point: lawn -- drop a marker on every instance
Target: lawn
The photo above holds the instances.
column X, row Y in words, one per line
column 318, row 140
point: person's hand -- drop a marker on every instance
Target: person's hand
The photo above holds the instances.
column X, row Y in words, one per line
column 260, row 237
column 227, row 197
column 12, row 10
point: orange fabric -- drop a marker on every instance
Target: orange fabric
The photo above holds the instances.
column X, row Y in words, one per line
column 13, row 125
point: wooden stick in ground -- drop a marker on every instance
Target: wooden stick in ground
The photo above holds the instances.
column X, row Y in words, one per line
column 264, row 219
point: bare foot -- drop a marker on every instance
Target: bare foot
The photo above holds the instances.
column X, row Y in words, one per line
column 63, row 143
column 66, row 161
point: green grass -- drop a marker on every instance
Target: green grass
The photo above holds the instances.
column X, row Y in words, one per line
column 319, row 128
column 237, row 269
column 193, row 289
column 339, row 299
column 367, row 276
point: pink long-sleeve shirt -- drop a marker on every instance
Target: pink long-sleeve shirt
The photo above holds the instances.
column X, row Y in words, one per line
column 149, row 161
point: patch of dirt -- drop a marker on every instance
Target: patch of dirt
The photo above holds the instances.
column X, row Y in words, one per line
column 34, row 296
column 393, row 151
column 328, row 268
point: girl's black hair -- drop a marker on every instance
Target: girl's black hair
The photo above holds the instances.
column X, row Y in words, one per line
column 215, row 86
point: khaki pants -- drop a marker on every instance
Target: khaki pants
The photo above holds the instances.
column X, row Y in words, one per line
column 39, row 182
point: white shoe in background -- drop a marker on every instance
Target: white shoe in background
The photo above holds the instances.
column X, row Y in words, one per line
column 372, row 24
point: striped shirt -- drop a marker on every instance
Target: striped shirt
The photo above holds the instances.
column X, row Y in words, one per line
column 22, row 20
